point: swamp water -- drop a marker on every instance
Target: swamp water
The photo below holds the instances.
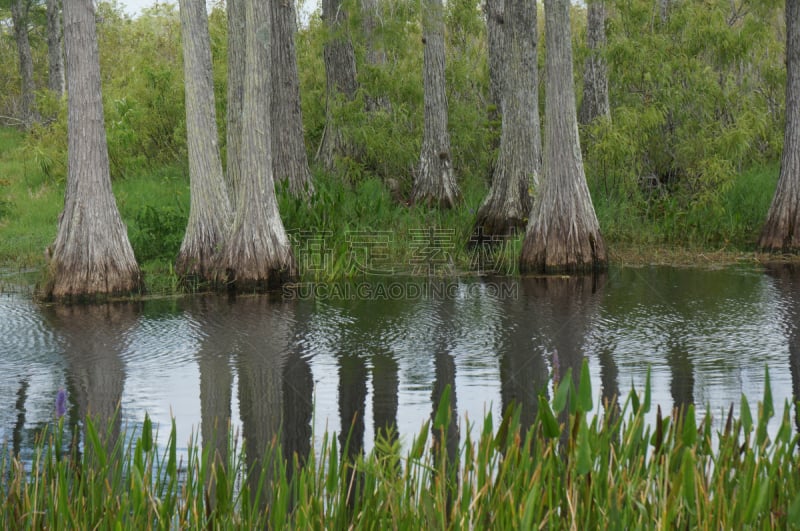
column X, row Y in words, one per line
column 379, row 353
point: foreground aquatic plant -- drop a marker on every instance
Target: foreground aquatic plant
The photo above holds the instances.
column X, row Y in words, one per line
column 568, row 469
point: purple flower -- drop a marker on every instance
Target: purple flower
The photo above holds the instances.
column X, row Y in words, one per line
column 61, row 403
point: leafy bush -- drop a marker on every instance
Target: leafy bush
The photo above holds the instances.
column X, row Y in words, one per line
column 158, row 232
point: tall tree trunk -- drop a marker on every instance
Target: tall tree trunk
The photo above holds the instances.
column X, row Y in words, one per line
column 289, row 157
column 19, row 16
column 340, row 72
column 375, row 55
column 257, row 254
column 508, row 204
column 781, row 232
column 210, row 209
column 233, row 119
column 92, row 254
column 55, row 54
column 595, row 74
column 495, row 33
column 435, row 182
column 563, row 233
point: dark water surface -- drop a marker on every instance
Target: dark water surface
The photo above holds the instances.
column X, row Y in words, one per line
column 317, row 357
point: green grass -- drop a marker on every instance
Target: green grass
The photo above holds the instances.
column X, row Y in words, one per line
column 568, row 470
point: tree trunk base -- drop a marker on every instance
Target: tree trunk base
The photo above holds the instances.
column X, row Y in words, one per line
column 82, row 284
column 781, row 235
column 562, row 250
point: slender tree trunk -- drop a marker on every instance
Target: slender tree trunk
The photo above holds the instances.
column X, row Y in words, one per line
column 595, row 75
column 508, row 204
column 495, row 32
column 435, row 182
column 340, row 72
column 290, row 160
column 19, row 16
column 92, row 254
column 781, row 232
column 257, row 254
column 55, row 54
column 562, row 233
column 210, row 209
column 375, row 55
column 233, row 129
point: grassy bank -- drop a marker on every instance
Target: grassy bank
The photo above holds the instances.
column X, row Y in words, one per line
column 568, row 470
column 348, row 229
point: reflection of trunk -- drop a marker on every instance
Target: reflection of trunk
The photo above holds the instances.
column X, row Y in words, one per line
column 445, row 376
column 352, row 399
column 298, row 408
column 681, row 385
column 609, row 378
column 93, row 339
column 523, row 372
column 787, row 282
column 385, row 383
column 261, row 358
column 352, row 402
column 566, row 306
column 22, row 396
column 216, row 379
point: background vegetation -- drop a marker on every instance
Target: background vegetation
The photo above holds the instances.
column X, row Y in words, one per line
column 689, row 157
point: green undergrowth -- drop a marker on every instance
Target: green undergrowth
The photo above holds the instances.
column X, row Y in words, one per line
column 570, row 469
column 362, row 227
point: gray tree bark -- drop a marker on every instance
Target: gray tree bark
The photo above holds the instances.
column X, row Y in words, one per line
column 257, row 255
column 233, row 118
column 289, row 157
column 210, row 208
column 435, row 182
column 19, row 17
column 375, row 55
column 495, row 31
column 508, row 204
column 562, row 234
column 92, row 254
column 340, row 72
column 55, row 53
column 595, row 74
column 781, row 232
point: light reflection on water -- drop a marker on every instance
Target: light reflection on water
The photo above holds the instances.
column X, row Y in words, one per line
column 266, row 364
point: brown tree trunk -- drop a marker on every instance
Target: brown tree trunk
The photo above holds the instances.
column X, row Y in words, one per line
column 508, row 204
column 289, row 157
column 562, row 234
column 257, row 253
column 595, row 74
column 340, row 72
column 435, row 182
column 55, row 54
column 781, row 232
column 233, row 118
column 210, row 209
column 92, row 254
column 19, row 17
